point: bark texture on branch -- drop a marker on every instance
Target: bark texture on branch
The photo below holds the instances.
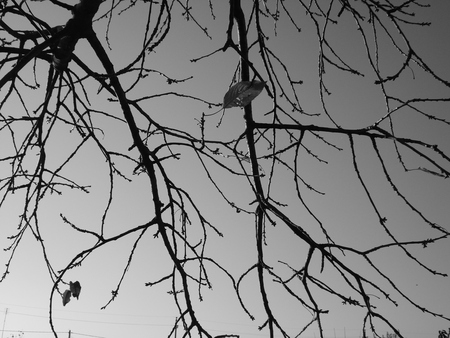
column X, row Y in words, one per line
column 79, row 26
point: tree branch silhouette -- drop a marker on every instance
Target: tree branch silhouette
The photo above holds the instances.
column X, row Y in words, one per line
column 50, row 97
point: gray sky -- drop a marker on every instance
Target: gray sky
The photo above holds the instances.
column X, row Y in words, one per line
column 344, row 210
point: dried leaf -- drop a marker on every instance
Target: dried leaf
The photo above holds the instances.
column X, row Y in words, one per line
column 242, row 93
column 75, row 288
column 66, row 297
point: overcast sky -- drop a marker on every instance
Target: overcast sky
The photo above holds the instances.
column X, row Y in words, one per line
column 141, row 311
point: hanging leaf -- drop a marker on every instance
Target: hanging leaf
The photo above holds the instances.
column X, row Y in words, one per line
column 75, row 288
column 66, row 297
column 242, row 93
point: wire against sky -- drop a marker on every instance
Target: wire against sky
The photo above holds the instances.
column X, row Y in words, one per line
column 50, row 332
column 343, row 332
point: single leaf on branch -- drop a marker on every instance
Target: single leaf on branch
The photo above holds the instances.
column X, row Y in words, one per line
column 75, row 288
column 242, row 93
column 66, row 297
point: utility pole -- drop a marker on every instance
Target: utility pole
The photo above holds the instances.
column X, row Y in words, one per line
column 176, row 327
column 4, row 321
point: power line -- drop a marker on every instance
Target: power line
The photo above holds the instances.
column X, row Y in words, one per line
column 47, row 332
column 31, row 331
column 86, row 335
column 88, row 321
column 4, row 321
column 82, row 312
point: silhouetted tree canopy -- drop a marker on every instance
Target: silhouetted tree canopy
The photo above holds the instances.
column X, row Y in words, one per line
column 75, row 90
